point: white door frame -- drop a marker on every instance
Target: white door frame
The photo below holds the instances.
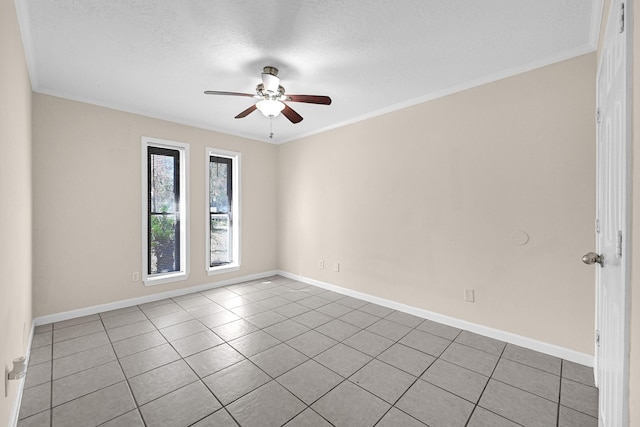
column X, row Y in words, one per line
column 602, row 366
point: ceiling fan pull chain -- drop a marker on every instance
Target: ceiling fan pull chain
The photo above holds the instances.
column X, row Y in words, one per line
column 271, row 127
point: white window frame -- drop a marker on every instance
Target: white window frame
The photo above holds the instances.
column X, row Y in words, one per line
column 183, row 273
column 235, row 211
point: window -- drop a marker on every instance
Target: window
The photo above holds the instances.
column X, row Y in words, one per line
column 223, row 209
column 165, row 211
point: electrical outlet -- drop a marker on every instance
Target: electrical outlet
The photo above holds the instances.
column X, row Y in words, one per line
column 336, row 267
column 321, row 264
column 469, row 295
column 135, row 276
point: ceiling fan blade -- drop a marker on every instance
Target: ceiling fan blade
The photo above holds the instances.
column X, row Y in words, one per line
column 310, row 99
column 246, row 112
column 291, row 115
column 216, row 92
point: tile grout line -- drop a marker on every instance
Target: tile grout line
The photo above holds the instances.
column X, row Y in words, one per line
column 82, row 370
column 126, row 380
column 307, row 406
column 342, row 342
column 52, row 407
column 271, row 377
column 141, row 373
column 329, row 302
column 135, row 400
column 110, row 343
column 506, row 383
column 475, row 406
column 199, row 379
column 248, row 301
column 559, row 394
column 245, row 358
column 418, row 376
column 586, row 385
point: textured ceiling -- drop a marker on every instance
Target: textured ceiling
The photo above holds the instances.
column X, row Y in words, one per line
column 156, row 57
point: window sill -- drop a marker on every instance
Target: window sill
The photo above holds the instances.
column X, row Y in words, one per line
column 161, row 279
column 223, row 269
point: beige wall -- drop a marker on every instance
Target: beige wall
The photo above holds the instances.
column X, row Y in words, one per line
column 15, row 197
column 87, row 203
column 421, row 203
column 634, row 398
column 415, row 205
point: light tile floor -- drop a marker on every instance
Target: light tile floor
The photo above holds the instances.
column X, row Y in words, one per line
column 276, row 352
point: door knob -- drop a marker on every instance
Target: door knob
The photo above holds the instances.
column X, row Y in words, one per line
column 592, row 258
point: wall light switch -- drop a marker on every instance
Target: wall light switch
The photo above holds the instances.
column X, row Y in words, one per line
column 336, row 267
column 469, row 295
column 321, row 264
column 135, row 276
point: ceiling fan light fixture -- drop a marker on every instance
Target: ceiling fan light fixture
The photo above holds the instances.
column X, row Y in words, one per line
column 270, row 107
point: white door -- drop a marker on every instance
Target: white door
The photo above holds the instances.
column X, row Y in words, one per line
column 611, row 223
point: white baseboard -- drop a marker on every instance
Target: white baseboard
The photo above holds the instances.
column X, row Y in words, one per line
column 15, row 410
column 72, row 314
column 543, row 347
column 532, row 344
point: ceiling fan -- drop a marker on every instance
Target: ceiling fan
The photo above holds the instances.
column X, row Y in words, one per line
column 272, row 98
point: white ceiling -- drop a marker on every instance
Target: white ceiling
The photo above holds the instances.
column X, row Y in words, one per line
column 156, row 57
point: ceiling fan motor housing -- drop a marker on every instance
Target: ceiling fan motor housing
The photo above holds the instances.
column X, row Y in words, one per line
column 270, row 70
column 270, row 79
column 266, row 94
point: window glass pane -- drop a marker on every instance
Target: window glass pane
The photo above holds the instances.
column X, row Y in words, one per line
column 162, row 185
column 220, row 239
column 220, row 210
column 163, row 216
column 218, row 184
column 163, row 243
